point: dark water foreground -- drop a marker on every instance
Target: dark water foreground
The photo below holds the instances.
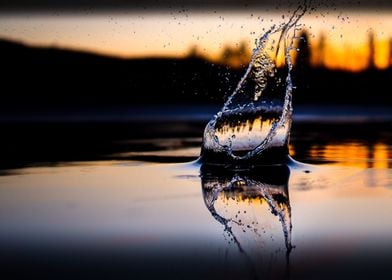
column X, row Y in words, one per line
column 111, row 200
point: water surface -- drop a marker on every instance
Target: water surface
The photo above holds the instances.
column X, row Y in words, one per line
column 130, row 216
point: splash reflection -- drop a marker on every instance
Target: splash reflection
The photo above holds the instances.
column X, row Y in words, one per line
column 242, row 201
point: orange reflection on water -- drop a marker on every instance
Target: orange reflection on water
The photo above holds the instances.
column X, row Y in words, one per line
column 291, row 150
column 353, row 154
column 380, row 156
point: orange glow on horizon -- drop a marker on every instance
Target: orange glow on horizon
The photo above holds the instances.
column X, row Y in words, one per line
column 347, row 58
column 205, row 34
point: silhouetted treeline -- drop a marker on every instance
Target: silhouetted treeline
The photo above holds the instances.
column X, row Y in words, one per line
column 317, row 84
column 47, row 77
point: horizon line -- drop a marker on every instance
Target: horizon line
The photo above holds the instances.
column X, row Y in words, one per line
column 189, row 55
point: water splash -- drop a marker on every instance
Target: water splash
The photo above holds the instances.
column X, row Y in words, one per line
column 256, row 185
column 254, row 123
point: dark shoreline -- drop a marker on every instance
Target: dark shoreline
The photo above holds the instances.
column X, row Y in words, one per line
column 46, row 78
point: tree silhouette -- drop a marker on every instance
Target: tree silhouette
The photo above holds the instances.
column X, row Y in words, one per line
column 371, row 50
column 390, row 53
column 303, row 57
column 321, row 51
column 302, row 72
column 236, row 57
column 193, row 52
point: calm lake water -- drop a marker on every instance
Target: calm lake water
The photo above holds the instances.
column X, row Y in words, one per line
column 96, row 201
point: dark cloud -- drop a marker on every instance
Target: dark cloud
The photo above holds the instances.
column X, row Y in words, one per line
column 80, row 5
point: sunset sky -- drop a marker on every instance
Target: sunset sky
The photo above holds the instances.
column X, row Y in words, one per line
column 172, row 32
